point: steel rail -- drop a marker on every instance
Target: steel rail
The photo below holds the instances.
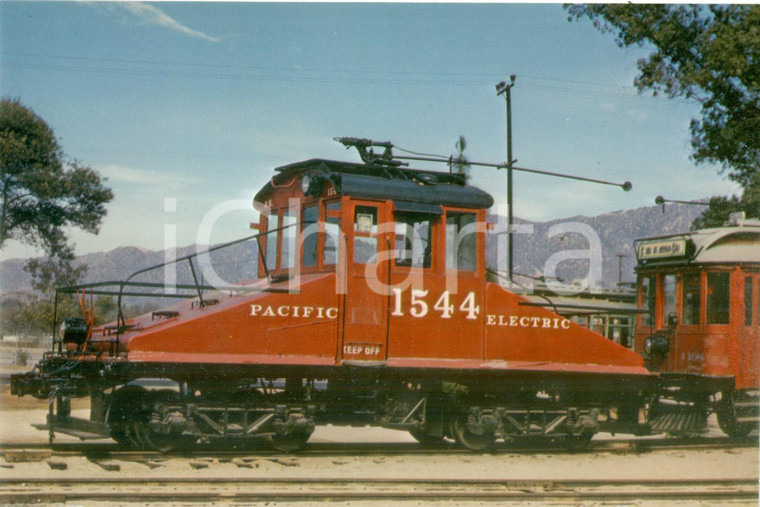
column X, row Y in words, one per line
column 103, row 450
column 145, row 489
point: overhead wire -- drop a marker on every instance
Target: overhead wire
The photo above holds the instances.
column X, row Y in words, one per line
column 327, row 75
column 164, row 63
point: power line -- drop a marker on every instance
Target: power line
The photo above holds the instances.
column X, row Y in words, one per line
column 416, row 78
column 164, row 63
column 301, row 79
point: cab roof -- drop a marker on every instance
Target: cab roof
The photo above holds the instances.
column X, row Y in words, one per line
column 379, row 182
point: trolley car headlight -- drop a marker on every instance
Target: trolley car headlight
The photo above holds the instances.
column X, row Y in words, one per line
column 311, row 184
column 657, row 345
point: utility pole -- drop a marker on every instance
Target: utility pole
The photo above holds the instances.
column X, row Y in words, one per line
column 505, row 89
column 620, row 257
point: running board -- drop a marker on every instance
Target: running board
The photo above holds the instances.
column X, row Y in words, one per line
column 679, row 422
column 83, row 429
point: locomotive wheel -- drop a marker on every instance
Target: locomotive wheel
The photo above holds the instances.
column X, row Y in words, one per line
column 289, row 443
column 469, row 439
column 126, row 437
column 423, row 438
column 161, row 443
column 149, row 438
column 727, row 415
column 578, row 443
column 121, row 419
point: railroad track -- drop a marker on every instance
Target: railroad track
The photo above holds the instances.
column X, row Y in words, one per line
column 260, row 489
column 623, row 446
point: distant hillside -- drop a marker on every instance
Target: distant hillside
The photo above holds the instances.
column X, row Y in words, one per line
column 616, row 232
column 232, row 264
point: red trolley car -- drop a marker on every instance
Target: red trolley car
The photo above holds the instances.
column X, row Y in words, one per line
column 700, row 291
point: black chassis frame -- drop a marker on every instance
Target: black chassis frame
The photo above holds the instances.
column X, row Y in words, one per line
column 59, row 378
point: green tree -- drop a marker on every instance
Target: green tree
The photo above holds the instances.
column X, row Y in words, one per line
column 721, row 207
column 36, row 315
column 708, row 53
column 42, row 191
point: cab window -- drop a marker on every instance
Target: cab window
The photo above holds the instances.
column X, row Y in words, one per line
column 461, row 241
column 270, row 256
column 332, row 233
column 749, row 304
column 413, row 239
column 718, row 297
column 288, row 242
column 669, row 296
column 309, row 231
column 365, row 234
column 691, row 298
column 647, row 295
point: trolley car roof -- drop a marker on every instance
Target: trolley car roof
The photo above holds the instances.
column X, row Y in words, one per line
column 737, row 243
column 384, row 183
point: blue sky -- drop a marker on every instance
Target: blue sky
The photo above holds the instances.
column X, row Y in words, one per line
column 198, row 102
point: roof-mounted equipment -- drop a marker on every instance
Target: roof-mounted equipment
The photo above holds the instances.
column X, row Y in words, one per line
column 368, row 155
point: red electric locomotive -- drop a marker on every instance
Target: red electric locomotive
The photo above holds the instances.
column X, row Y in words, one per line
column 371, row 307
column 699, row 291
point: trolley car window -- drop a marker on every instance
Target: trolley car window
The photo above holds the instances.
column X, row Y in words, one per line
column 413, row 241
column 648, row 295
column 690, row 301
column 461, row 241
column 288, row 257
column 309, row 231
column 332, row 233
column 717, row 297
column 669, row 293
column 365, row 234
column 270, row 257
column 749, row 303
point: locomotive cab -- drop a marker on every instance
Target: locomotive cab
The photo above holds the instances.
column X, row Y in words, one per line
column 387, row 236
column 698, row 293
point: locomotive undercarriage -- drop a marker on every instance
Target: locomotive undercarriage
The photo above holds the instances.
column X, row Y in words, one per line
column 131, row 406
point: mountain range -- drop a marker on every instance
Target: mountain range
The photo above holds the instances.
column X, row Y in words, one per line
column 533, row 251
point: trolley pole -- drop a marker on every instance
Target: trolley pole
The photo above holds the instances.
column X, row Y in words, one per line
column 660, row 201
column 505, row 89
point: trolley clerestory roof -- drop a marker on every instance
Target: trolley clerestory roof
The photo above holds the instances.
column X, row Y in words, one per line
column 737, row 242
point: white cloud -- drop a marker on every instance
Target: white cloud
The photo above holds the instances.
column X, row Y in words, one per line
column 155, row 16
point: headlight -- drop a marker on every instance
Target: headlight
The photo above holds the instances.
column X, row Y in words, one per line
column 73, row 330
column 311, row 184
column 657, row 345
